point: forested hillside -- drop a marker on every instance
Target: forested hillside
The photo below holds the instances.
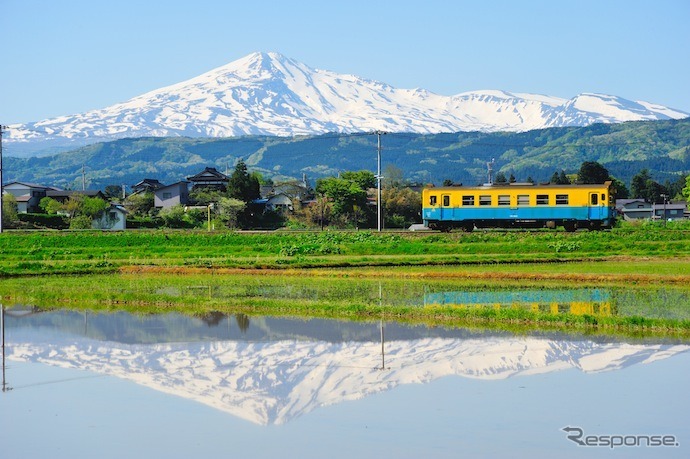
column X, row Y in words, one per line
column 624, row 149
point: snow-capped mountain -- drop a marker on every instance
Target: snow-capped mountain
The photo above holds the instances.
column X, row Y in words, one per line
column 275, row 382
column 270, row 94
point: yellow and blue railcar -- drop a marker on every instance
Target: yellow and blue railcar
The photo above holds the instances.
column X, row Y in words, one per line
column 518, row 205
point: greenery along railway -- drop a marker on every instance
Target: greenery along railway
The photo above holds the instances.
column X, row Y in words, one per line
column 44, row 252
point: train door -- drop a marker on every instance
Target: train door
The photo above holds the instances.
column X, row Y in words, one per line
column 596, row 206
column 446, row 211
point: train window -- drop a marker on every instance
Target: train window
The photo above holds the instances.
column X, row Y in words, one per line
column 603, row 197
column 467, row 200
column 562, row 199
column 484, row 200
column 503, row 200
column 595, row 199
column 542, row 199
column 432, row 200
column 523, row 200
column 446, row 200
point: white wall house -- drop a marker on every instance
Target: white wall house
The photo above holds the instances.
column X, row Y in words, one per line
column 113, row 218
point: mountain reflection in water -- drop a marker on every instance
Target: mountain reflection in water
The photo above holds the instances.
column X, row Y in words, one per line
column 270, row 371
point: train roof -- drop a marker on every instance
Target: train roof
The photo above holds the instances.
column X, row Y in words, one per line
column 518, row 185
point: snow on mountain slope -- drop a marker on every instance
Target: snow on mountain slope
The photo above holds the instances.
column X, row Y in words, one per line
column 270, row 94
column 275, row 382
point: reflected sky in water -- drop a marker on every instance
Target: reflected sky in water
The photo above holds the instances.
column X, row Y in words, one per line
column 117, row 385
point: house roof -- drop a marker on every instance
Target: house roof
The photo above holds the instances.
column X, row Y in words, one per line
column 173, row 185
column 31, row 185
column 208, row 174
column 149, row 183
column 70, row 193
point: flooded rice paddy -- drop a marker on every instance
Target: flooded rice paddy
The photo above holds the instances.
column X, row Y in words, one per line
column 80, row 383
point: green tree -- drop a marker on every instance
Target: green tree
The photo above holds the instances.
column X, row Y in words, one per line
column 591, row 172
column 344, row 196
column 560, row 178
column 9, row 210
column 638, row 184
column 242, row 185
column 229, row 210
column 620, row 191
column 365, row 179
column 92, row 207
column 80, row 222
column 500, row 178
column 686, row 188
column 402, row 207
column 72, row 206
column 393, row 177
column 50, row 205
column 113, row 192
column 140, row 204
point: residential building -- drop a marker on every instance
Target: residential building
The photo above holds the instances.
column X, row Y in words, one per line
column 27, row 195
column 172, row 195
column 113, row 218
column 210, row 178
column 146, row 185
column 633, row 209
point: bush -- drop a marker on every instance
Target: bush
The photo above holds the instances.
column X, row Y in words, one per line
column 80, row 222
column 45, row 221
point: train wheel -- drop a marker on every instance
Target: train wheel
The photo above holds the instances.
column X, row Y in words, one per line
column 570, row 226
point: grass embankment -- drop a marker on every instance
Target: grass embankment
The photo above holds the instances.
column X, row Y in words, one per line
column 94, row 252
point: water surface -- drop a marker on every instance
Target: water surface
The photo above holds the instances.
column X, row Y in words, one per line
column 84, row 384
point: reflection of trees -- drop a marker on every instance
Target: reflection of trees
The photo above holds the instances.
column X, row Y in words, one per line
column 213, row 318
column 242, row 322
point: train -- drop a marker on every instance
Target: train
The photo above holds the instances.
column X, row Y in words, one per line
column 519, row 205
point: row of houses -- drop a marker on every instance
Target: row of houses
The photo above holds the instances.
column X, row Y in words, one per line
column 28, row 197
column 273, row 197
column 639, row 209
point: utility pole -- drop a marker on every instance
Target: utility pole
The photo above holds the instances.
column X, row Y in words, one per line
column 378, row 178
column 2, row 129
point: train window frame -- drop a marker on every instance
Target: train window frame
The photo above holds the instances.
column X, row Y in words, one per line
column 542, row 199
column 594, row 199
column 446, row 200
column 484, row 199
column 468, row 200
column 523, row 200
column 504, row 200
column 562, row 199
column 433, row 200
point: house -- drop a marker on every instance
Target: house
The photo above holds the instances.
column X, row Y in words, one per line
column 113, row 218
column 146, row 185
column 63, row 196
column 210, row 178
column 293, row 190
column 172, row 195
column 27, row 195
column 633, row 209
column 279, row 203
column 669, row 211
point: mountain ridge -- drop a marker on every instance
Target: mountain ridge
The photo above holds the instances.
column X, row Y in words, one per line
column 270, row 94
column 663, row 147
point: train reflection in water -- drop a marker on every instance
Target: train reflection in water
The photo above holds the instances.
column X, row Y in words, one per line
column 573, row 301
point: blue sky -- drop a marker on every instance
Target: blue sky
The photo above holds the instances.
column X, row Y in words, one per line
column 61, row 57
